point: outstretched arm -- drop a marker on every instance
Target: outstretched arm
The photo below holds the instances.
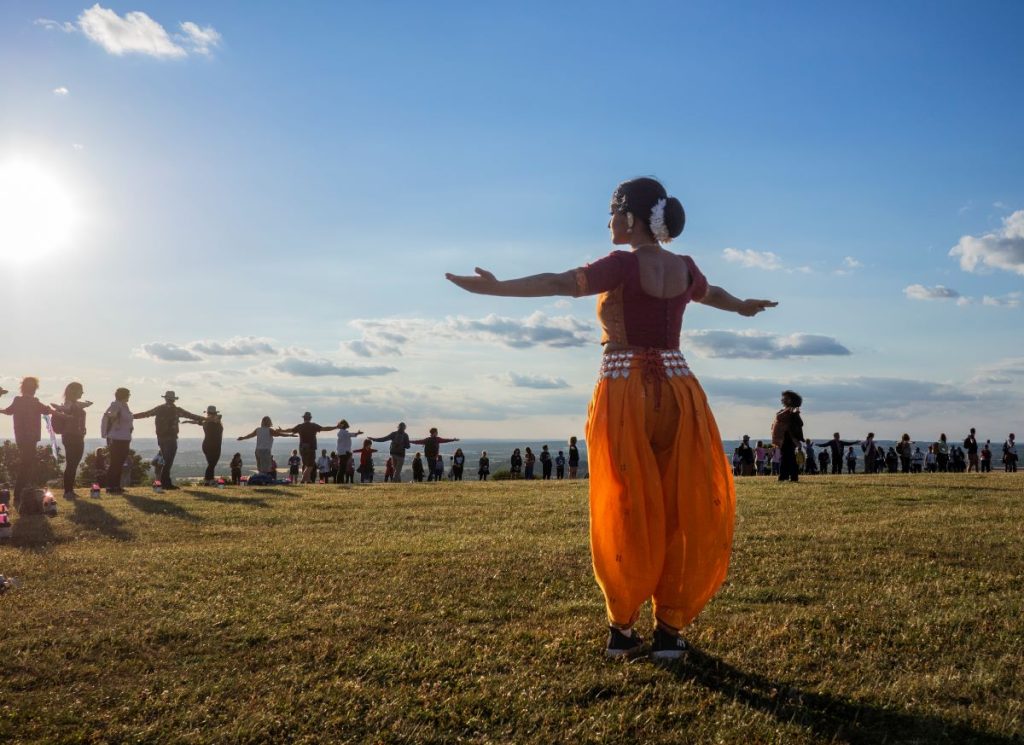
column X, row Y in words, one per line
column 144, row 414
column 248, row 436
column 536, row 285
column 716, row 297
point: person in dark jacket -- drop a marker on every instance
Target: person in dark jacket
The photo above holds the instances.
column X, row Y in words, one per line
column 745, row 453
column 835, row 447
column 168, row 416
column 545, row 462
column 213, row 441
column 399, row 444
column 27, row 411
column 432, row 448
column 788, row 433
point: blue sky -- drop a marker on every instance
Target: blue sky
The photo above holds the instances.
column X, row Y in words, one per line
column 266, row 198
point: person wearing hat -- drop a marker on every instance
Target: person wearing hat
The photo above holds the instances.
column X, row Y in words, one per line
column 307, row 432
column 213, row 439
column 168, row 416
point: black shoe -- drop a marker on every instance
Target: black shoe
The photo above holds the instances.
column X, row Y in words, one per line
column 666, row 646
column 622, row 646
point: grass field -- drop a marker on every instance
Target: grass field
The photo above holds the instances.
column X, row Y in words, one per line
column 858, row 609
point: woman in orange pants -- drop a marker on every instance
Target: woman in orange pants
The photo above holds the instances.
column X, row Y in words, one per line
column 662, row 499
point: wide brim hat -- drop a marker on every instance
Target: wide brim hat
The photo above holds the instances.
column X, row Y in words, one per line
column 170, row 396
column 212, row 410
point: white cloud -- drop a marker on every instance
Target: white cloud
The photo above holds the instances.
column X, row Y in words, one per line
column 166, row 352
column 239, row 346
column 1010, row 300
column 920, row 292
column 851, row 263
column 61, row 91
column 137, row 33
column 759, row 345
column 77, row 146
column 537, row 382
column 317, row 368
column 1000, row 249
column 201, row 39
column 753, row 259
column 537, row 329
column 66, row 26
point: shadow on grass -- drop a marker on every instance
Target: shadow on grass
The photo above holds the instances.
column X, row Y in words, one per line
column 226, row 498
column 32, row 532
column 829, row 717
column 92, row 516
column 272, row 491
column 160, row 507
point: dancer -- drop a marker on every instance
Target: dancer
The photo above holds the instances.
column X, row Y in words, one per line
column 399, row 444
column 662, row 499
column 787, row 433
column 432, row 447
column 168, row 416
column 344, row 449
column 971, row 446
column 213, row 441
column 835, row 446
column 69, row 422
column 116, row 427
column 307, row 432
column 27, row 410
column 265, row 434
column 366, row 461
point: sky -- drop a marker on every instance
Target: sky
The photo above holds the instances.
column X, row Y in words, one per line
column 254, row 205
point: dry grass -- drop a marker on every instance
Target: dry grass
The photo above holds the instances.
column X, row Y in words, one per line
column 859, row 609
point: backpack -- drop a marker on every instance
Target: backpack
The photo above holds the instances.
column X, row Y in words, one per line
column 59, row 422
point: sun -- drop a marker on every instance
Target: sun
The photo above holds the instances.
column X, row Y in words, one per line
column 37, row 212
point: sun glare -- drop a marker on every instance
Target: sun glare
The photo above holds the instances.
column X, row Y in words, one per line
column 37, row 212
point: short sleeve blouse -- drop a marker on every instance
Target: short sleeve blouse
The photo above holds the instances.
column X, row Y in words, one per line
column 630, row 316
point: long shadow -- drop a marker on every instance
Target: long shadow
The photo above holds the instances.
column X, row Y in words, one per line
column 160, row 507
column 275, row 492
column 92, row 516
column 227, row 499
column 32, row 532
column 829, row 717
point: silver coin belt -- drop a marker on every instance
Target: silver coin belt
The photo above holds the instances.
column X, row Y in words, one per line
column 619, row 364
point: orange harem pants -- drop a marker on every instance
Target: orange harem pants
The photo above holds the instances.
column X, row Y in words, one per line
column 662, row 497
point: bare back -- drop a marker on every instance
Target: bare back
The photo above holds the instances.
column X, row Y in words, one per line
column 663, row 274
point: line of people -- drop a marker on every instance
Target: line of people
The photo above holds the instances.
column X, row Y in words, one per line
column 789, row 453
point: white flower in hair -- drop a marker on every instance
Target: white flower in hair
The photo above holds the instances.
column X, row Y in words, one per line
column 658, row 228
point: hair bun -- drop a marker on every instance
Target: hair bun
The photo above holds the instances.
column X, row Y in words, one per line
column 675, row 217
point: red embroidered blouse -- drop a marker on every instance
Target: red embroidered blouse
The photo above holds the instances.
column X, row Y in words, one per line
column 628, row 315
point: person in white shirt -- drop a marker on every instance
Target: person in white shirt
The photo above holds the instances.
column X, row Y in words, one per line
column 265, row 435
column 323, row 465
column 344, row 448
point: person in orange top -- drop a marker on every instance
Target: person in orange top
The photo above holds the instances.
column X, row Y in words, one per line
column 662, row 498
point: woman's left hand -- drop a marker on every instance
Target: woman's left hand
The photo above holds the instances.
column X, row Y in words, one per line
column 751, row 307
column 483, row 283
